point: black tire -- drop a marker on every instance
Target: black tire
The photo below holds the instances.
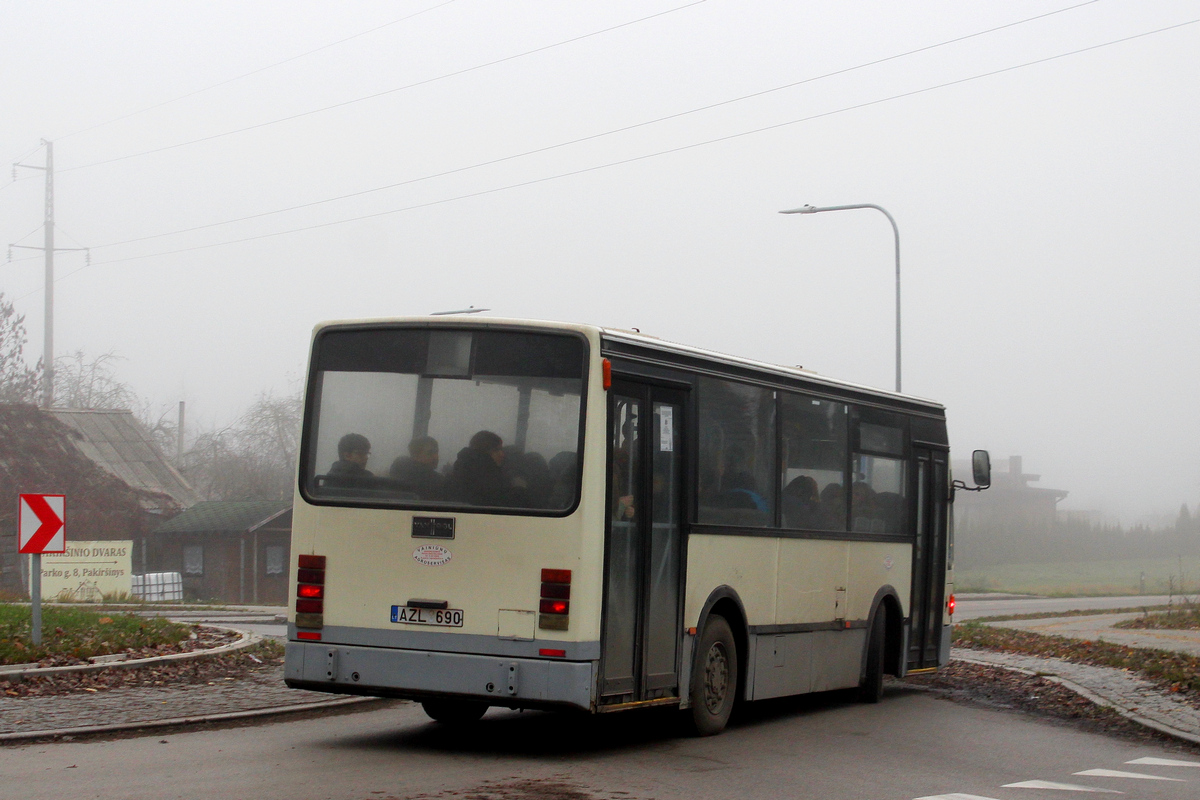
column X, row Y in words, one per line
column 870, row 690
column 714, row 677
column 454, row 712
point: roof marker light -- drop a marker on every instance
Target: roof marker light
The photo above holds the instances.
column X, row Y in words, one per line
column 606, row 371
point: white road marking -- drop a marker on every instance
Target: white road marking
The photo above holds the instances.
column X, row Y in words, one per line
column 954, row 796
column 1150, row 761
column 1063, row 787
column 1116, row 773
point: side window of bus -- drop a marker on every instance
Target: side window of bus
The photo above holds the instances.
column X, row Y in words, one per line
column 813, row 463
column 878, row 498
column 737, row 454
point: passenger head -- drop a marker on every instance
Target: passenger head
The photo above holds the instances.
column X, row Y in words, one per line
column 424, row 450
column 490, row 443
column 354, row 447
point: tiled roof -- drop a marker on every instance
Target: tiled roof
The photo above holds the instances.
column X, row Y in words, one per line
column 216, row 516
column 117, row 442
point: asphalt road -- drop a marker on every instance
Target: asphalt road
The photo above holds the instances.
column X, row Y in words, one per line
column 911, row 745
column 970, row 607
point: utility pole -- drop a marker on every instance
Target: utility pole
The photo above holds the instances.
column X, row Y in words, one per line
column 48, row 331
column 48, row 248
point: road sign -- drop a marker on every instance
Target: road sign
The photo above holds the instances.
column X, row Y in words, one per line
column 41, row 521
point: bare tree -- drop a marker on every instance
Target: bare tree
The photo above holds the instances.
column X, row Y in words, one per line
column 19, row 383
column 252, row 459
column 82, row 382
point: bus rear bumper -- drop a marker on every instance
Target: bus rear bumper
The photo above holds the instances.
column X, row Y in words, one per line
column 424, row 674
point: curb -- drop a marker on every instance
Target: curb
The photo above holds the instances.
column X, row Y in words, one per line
column 1091, row 696
column 246, row 639
column 119, row 727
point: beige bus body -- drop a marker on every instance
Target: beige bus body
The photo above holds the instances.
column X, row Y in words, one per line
column 807, row 603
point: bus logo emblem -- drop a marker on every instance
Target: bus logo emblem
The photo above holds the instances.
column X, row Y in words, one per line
column 431, row 555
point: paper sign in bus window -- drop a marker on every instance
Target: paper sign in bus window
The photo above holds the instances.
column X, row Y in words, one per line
column 666, row 429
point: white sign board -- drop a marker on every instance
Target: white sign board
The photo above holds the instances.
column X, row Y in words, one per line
column 88, row 570
column 41, row 523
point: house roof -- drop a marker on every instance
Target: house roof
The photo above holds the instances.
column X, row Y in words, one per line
column 118, row 443
column 38, row 454
column 218, row 516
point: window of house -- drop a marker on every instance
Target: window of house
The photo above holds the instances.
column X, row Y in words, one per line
column 737, row 454
column 193, row 559
column 813, row 463
column 274, row 553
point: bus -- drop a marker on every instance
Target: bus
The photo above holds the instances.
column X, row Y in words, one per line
column 526, row 514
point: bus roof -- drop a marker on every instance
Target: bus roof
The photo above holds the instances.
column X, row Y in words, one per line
column 646, row 341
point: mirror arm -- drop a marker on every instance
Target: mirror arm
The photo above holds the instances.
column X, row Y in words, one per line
column 960, row 485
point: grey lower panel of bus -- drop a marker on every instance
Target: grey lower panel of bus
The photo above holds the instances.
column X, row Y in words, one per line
column 944, row 649
column 797, row 663
column 408, row 639
column 514, row 682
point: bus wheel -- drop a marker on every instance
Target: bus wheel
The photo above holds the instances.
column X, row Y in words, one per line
column 871, row 688
column 454, row 712
column 715, row 678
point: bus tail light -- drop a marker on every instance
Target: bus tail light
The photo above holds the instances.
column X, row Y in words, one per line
column 310, row 596
column 950, row 604
column 606, row 373
column 555, row 604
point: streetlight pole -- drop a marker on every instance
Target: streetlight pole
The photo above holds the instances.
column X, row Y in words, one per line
column 895, row 230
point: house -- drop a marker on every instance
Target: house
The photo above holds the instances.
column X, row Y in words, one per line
column 233, row 552
column 40, row 453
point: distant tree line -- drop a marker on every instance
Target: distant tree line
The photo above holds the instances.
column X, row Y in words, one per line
column 986, row 541
column 253, row 458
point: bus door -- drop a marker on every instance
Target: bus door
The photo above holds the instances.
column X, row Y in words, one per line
column 643, row 544
column 928, row 560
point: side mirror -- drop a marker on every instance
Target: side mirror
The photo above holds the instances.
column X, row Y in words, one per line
column 981, row 467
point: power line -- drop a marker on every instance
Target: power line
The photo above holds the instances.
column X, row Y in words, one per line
column 644, row 157
column 384, row 93
column 594, row 136
column 228, row 81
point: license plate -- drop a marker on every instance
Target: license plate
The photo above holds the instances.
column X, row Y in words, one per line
column 439, row 617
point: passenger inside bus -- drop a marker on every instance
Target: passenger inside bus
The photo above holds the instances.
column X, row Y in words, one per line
column 417, row 472
column 738, row 487
column 479, row 476
column 833, row 507
column 354, row 450
column 801, row 503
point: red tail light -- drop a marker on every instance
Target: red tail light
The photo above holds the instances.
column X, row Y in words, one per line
column 950, row 604
column 547, row 651
column 556, row 576
column 553, row 606
column 555, row 600
column 606, row 373
column 310, row 596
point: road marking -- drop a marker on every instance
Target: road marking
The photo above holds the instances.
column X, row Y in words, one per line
column 1063, row 787
column 1150, row 761
column 954, row 796
column 1116, row 773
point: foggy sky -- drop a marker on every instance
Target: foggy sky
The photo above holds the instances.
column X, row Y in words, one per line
column 1047, row 214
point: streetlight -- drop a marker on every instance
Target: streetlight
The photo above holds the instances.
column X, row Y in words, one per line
column 896, row 231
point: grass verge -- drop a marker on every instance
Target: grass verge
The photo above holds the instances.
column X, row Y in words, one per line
column 1174, row 672
column 77, row 633
column 1186, row 618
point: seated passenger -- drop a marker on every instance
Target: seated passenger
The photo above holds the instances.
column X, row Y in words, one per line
column 739, row 489
column 833, row 507
column 479, row 478
column 801, row 503
column 563, row 470
column 417, row 471
column 354, row 450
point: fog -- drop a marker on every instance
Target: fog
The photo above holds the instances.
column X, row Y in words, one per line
column 1043, row 177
